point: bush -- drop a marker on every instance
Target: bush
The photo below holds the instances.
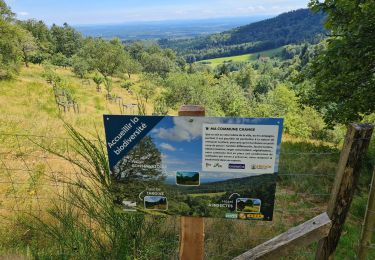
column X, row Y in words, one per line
column 61, row 60
column 86, row 223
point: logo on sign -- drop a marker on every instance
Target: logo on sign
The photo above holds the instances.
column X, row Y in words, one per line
column 236, row 166
column 231, row 215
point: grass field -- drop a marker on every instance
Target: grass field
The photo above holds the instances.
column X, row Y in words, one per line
column 243, row 58
column 217, row 194
column 28, row 107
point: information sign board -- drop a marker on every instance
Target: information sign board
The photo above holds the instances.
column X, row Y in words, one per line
column 195, row 166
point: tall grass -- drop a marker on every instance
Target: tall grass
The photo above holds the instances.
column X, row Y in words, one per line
column 84, row 223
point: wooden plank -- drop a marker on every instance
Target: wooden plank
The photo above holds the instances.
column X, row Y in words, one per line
column 192, row 238
column 191, row 110
column 295, row 238
column 354, row 150
column 192, row 228
column 369, row 223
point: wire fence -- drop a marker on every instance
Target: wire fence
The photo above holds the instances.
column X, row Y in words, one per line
column 30, row 178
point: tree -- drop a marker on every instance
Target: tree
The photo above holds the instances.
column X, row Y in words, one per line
column 5, row 13
column 98, row 81
column 148, row 89
column 66, row 40
column 132, row 178
column 246, row 78
column 59, row 59
column 132, row 67
column 343, row 72
column 27, row 45
column 41, row 33
column 157, row 63
column 108, row 83
column 107, row 57
column 10, row 52
column 80, row 66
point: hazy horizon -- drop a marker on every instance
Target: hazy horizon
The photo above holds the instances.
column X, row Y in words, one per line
column 117, row 12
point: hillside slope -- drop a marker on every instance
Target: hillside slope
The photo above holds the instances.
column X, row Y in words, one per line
column 287, row 28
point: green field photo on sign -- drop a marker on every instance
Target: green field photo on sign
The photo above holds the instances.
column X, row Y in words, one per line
column 156, row 203
column 187, row 178
column 247, row 205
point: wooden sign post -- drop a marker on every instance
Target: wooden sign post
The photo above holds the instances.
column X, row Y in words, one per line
column 192, row 228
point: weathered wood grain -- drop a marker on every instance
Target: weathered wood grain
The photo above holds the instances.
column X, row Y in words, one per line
column 192, row 228
column 369, row 223
column 294, row 239
column 355, row 148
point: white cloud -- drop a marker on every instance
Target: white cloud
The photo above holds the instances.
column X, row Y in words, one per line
column 185, row 129
column 23, row 13
column 167, row 147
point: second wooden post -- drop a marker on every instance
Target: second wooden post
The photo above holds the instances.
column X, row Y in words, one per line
column 192, row 228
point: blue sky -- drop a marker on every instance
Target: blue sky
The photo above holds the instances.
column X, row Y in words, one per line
column 120, row 11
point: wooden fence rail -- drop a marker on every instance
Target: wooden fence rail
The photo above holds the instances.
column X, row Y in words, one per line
column 295, row 238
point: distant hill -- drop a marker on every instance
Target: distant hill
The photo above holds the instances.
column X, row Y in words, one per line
column 172, row 29
column 287, row 28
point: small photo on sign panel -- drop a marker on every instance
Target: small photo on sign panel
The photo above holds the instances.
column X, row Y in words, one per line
column 188, row 178
column 156, row 203
column 247, row 205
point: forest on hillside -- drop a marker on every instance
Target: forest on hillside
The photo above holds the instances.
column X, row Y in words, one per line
column 283, row 86
column 314, row 67
column 293, row 27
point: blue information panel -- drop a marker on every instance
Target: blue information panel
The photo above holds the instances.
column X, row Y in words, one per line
column 195, row 166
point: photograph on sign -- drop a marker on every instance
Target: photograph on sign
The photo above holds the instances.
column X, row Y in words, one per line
column 187, row 178
column 246, row 205
column 155, row 203
column 194, row 166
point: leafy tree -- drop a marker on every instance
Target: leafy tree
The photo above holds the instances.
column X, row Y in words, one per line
column 66, row 40
column 98, row 79
column 6, row 13
column 283, row 102
column 80, row 66
column 343, row 72
column 160, row 107
column 247, row 78
column 107, row 57
column 61, row 60
column 131, row 179
column 148, row 89
column 41, row 33
column 157, row 63
column 27, row 44
column 15, row 43
column 10, row 52
column 136, row 50
column 231, row 98
column 132, row 66
column 108, row 83
column 264, row 84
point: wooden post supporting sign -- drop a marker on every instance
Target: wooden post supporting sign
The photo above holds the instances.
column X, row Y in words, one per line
column 354, row 150
column 192, row 228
